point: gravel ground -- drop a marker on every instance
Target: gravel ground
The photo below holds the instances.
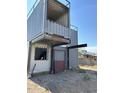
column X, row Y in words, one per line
column 65, row 82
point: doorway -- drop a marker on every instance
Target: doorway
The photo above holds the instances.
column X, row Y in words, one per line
column 59, row 59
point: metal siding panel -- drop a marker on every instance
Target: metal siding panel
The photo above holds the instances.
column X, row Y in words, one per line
column 59, row 55
column 35, row 21
column 73, row 61
column 53, row 27
column 73, row 53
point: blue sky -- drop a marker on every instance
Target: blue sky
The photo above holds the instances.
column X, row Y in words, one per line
column 84, row 16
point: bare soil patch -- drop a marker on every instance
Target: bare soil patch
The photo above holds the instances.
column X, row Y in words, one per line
column 65, row 82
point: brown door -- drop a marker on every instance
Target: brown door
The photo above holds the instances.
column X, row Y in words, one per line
column 59, row 59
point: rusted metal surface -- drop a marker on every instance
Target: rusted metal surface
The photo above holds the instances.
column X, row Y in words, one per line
column 59, row 66
column 59, row 60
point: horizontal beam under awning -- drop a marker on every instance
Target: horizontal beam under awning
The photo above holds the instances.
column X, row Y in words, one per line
column 78, row 46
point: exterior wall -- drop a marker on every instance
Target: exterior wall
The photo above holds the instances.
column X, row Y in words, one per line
column 35, row 21
column 41, row 65
column 54, row 28
column 73, row 53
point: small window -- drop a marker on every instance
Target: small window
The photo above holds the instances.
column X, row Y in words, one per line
column 40, row 53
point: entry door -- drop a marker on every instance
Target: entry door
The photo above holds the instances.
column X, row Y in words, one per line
column 59, row 59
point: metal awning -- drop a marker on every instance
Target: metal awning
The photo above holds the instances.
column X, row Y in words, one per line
column 51, row 39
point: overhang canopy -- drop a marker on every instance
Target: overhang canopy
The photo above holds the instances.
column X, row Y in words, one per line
column 51, row 39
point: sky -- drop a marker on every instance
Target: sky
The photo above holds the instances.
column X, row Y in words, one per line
column 84, row 16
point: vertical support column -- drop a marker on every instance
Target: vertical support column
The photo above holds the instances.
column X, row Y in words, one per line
column 44, row 15
column 49, row 54
column 67, row 58
column 52, row 69
column 29, row 57
column 53, row 59
column 69, row 13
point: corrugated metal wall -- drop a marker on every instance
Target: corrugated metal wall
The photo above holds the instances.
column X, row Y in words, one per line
column 55, row 28
column 73, row 53
column 35, row 21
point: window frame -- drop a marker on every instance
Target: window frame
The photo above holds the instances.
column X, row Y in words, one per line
column 36, row 58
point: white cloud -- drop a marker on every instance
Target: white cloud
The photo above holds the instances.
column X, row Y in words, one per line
column 91, row 49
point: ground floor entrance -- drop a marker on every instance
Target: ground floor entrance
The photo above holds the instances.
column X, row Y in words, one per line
column 59, row 60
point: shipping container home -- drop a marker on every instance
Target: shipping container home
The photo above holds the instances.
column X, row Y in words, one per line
column 49, row 33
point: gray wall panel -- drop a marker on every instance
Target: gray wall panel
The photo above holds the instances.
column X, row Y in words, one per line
column 35, row 21
column 73, row 53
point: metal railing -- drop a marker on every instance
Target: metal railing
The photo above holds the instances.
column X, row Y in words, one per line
column 65, row 2
column 74, row 27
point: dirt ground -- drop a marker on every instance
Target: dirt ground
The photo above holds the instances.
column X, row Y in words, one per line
column 65, row 82
column 88, row 67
